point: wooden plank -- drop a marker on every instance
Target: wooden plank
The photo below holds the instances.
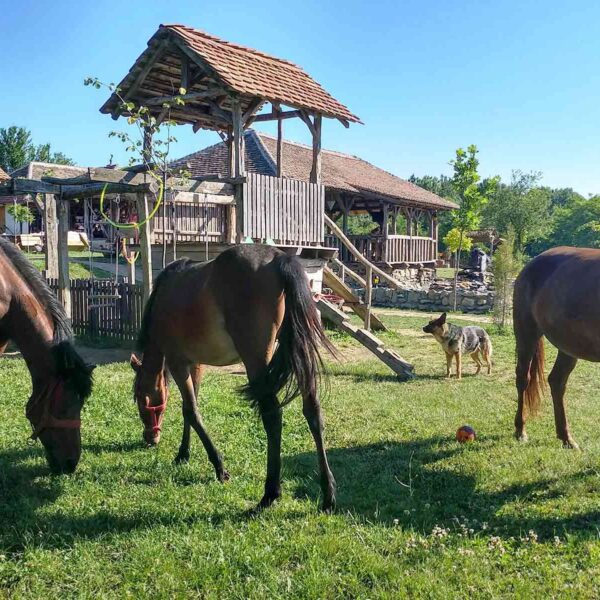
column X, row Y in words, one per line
column 64, row 282
column 51, row 236
column 315, row 173
column 20, row 187
column 368, row 296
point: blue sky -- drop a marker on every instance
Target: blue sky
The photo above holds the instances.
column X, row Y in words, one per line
column 518, row 79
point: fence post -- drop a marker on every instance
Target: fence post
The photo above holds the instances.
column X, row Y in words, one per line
column 368, row 296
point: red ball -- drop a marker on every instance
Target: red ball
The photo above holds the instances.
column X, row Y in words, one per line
column 465, row 434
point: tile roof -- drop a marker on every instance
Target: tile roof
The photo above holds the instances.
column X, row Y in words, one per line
column 339, row 171
column 3, row 175
column 237, row 70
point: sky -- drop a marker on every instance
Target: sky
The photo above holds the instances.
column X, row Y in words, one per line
column 519, row 79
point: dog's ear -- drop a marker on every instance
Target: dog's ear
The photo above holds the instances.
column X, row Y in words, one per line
column 442, row 319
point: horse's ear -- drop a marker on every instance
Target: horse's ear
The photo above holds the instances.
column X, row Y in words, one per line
column 135, row 363
column 443, row 318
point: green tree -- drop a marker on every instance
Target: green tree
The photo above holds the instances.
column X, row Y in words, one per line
column 21, row 214
column 521, row 205
column 17, row 149
column 472, row 197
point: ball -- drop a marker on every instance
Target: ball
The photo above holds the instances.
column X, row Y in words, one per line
column 465, row 434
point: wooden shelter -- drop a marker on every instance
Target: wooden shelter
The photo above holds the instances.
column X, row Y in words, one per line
column 352, row 186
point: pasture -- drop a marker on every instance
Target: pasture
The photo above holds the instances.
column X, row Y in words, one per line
column 418, row 514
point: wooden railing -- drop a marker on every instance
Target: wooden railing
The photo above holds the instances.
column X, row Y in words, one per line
column 194, row 222
column 396, row 249
column 286, row 211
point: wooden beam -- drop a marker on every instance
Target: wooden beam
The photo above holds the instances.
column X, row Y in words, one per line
column 252, row 108
column 274, row 116
column 160, row 100
column 21, row 187
column 185, row 72
column 145, row 244
column 50, row 217
column 237, row 148
column 306, row 118
column 64, row 281
column 279, row 146
column 95, row 189
column 315, row 173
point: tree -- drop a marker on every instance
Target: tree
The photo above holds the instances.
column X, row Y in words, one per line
column 17, row 149
column 522, row 206
column 21, row 214
column 471, row 196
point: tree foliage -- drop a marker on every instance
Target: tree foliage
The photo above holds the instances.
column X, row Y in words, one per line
column 17, row 149
column 453, row 241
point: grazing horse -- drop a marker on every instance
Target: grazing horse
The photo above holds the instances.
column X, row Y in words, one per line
column 252, row 304
column 557, row 295
column 32, row 317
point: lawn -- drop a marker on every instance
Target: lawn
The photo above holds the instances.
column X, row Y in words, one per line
column 78, row 268
column 418, row 514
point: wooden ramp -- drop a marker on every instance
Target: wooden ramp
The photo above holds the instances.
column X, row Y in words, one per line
column 339, row 288
column 403, row 369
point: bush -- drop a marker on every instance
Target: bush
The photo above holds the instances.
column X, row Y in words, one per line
column 506, row 265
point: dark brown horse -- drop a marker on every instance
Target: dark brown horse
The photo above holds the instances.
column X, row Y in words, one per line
column 31, row 316
column 557, row 295
column 252, row 304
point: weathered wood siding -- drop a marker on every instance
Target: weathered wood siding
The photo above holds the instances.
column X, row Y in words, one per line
column 287, row 211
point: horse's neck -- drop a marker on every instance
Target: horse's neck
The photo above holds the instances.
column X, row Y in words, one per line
column 153, row 364
column 30, row 328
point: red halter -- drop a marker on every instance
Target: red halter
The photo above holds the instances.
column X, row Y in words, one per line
column 156, row 416
column 53, row 392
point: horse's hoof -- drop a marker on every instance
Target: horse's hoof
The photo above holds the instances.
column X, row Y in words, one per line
column 571, row 445
column 268, row 499
column 522, row 437
column 328, row 505
column 223, row 476
column 182, row 459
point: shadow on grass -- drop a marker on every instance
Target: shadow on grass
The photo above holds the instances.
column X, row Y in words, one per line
column 407, row 484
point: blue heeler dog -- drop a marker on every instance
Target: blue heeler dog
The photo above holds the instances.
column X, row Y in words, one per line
column 457, row 341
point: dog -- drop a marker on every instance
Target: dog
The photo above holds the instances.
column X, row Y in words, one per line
column 457, row 341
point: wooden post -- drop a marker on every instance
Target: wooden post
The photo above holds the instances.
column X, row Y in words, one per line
column 315, row 173
column 238, row 146
column 385, row 230
column 279, row 144
column 368, row 296
column 51, row 235
column 145, row 244
column 131, row 269
column 64, row 282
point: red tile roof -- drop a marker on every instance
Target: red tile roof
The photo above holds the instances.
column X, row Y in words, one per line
column 341, row 172
column 255, row 73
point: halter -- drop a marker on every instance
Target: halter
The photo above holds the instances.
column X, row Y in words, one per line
column 53, row 392
column 156, row 413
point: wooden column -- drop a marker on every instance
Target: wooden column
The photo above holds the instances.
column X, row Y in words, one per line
column 315, row 173
column 279, row 144
column 368, row 295
column 385, row 230
column 238, row 146
column 64, row 282
column 51, row 236
column 145, row 243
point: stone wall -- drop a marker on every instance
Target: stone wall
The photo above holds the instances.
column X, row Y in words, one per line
column 471, row 297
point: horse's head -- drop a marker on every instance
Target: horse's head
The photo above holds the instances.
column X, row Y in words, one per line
column 151, row 393
column 55, row 412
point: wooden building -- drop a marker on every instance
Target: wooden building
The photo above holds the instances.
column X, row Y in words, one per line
column 352, row 186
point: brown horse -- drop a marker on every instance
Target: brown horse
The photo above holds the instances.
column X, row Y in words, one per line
column 31, row 316
column 557, row 295
column 230, row 310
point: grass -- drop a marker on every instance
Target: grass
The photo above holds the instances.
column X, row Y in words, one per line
column 444, row 273
column 77, row 270
column 419, row 515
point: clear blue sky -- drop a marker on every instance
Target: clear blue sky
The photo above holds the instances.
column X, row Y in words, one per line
column 518, row 78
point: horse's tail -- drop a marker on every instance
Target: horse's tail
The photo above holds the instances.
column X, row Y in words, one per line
column 532, row 395
column 296, row 365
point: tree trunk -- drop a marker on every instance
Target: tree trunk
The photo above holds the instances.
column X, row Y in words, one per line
column 457, row 267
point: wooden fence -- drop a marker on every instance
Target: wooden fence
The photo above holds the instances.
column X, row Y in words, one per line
column 101, row 308
column 287, row 211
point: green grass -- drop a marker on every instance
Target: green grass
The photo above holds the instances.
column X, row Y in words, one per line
column 444, row 273
column 77, row 270
column 419, row 515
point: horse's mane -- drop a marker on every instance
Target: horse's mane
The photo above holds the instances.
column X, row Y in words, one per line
column 69, row 363
column 35, row 281
column 175, row 267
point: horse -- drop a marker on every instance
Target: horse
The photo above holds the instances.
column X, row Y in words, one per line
column 557, row 296
column 32, row 317
column 252, row 304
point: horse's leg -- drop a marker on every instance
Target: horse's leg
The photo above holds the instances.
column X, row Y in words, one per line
column 311, row 408
column 183, row 455
column 526, row 345
column 458, row 357
column 183, row 378
column 558, row 377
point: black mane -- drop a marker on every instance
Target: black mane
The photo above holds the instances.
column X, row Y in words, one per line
column 34, row 279
column 175, row 267
column 69, row 364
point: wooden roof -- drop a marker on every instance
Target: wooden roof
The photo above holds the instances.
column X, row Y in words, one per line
column 340, row 172
column 3, row 175
column 215, row 71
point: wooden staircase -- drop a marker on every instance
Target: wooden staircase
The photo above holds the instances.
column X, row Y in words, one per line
column 394, row 361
